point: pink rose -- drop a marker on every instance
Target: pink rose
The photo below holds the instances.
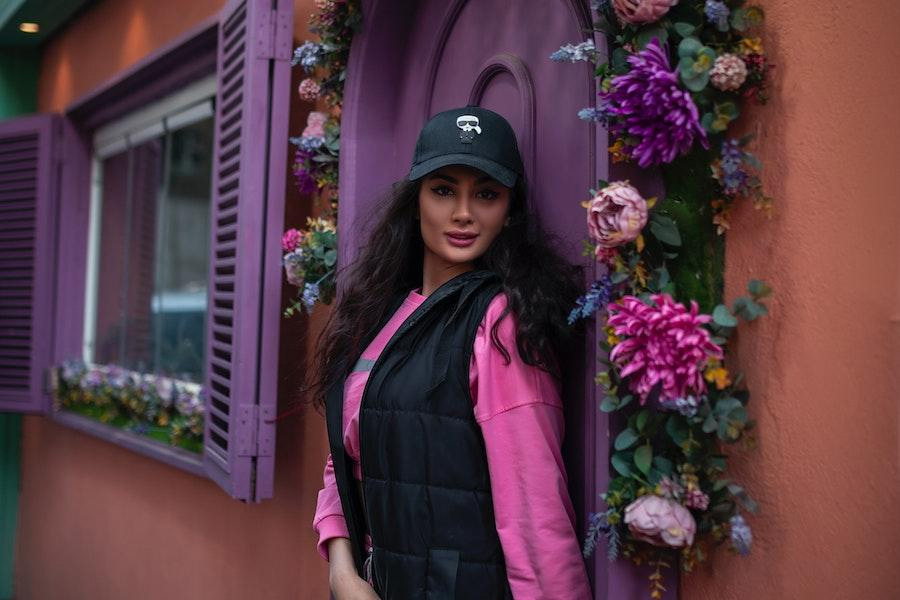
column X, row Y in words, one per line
column 660, row 522
column 642, row 11
column 291, row 239
column 315, row 124
column 616, row 215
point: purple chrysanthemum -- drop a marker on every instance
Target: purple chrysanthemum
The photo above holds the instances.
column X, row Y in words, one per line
column 652, row 108
column 663, row 345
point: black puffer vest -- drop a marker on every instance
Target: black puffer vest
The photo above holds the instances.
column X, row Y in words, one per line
column 425, row 477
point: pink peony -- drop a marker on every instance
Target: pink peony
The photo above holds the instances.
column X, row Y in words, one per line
column 660, row 522
column 308, row 89
column 616, row 215
column 642, row 11
column 291, row 239
column 664, row 344
column 315, row 124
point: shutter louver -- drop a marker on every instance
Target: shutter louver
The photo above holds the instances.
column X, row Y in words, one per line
column 28, row 181
column 249, row 168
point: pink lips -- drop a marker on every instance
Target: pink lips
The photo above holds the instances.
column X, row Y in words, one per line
column 461, row 239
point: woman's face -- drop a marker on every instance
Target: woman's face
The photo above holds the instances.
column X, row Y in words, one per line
column 461, row 211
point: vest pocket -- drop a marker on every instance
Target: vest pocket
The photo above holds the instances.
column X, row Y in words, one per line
column 441, row 580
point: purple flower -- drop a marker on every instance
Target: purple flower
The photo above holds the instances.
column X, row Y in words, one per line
column 93, row 379
column 310, row 296
column 652, row 108
column 664, row 345
column 574, row 53
column 597, row 115
column 717, row 14
column 303, row 175
column 596, row 298
column 307, row 55
column 741, row 536
column 729, row 171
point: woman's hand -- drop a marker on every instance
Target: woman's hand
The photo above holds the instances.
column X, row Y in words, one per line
column 342, row 577
column 350, row 586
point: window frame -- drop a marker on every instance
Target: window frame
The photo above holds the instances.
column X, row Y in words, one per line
column 114, row 138
column 170, row 69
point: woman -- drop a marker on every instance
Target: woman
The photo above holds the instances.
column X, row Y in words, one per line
column 440, row 379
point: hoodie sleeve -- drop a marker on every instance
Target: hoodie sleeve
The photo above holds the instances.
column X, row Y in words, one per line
column 519, row 410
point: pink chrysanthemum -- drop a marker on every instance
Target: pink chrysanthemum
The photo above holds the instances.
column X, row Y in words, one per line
column 664, row 344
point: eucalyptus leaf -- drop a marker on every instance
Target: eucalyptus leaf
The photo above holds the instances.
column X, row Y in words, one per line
column 710, row 424
column 684, row 29
column 330, row 258
column 649, row 33
column 758, row 289
column 741, row 495
column 619, row 60
column 626, row 439
column 609, row 404
column 723, row 317
column 663, row 464
column 621, row 462
column 643, row 457
column 618, row 277
column 689, row 46
column 641, row 421
column 665, row 230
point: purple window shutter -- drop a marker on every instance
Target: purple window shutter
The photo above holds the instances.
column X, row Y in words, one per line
column 29, row 171
column 249, row 170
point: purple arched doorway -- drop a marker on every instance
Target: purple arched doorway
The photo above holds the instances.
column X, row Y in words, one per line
column 415, row 58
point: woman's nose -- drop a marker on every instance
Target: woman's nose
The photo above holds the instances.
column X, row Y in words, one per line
column 461, row 211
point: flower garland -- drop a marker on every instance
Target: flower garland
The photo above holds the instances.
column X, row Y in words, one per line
column 311, row 254
column 159, row 407
column 678, row 76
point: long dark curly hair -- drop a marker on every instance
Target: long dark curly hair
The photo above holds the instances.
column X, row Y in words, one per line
column 540, row 285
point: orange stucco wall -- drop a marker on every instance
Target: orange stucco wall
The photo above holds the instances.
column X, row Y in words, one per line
column 823, row 367
column 100, row 522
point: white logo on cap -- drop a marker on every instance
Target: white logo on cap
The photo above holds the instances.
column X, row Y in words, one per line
column 468, row 124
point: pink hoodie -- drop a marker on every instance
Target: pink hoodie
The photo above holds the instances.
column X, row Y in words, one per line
column 520, row 414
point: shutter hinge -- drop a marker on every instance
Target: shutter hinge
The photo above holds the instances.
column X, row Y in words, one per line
column 246, row 430
column 275, row 35
column 266, row 431
column 256, row 430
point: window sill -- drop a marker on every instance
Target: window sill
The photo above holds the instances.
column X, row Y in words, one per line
column 176, row 457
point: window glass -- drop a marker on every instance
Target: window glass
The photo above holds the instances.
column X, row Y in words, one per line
column 154, row 254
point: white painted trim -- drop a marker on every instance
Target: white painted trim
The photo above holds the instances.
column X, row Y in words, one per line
column 156, row 112
column 93, row 259
column 190, row 116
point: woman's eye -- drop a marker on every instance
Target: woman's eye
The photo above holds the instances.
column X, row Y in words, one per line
column 488, row 194
column 442, row 190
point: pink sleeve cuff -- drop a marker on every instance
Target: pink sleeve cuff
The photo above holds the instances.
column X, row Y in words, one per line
column 328, row 528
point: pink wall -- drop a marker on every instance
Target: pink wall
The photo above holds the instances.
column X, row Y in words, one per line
column 100, row 522
column 823, row 367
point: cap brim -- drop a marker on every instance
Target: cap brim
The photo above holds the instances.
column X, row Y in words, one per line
column 502, row 174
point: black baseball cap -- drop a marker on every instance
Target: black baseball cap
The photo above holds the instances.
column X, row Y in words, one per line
column 472, row 136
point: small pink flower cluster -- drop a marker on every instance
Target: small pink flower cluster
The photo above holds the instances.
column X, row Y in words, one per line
column 291, row 239
column 665, row 344
column 308, row 89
